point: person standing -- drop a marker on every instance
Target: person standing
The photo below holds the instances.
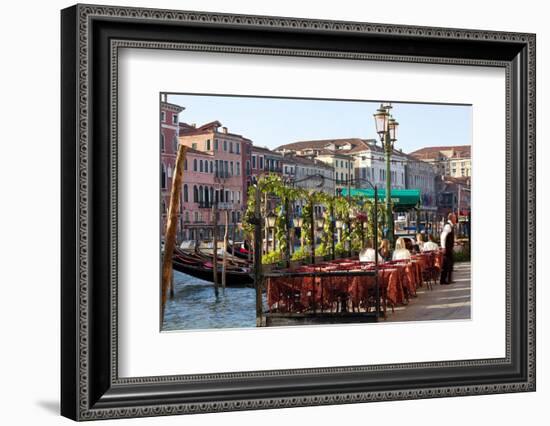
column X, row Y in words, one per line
column 447, row 244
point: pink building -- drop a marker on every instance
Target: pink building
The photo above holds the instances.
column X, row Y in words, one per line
column 169, row 131
column 223, row 153
column 197, row 195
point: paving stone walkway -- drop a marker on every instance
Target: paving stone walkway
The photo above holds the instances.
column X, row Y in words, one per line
column 444, row 302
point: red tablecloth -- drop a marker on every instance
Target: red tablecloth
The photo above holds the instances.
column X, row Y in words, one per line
column 398, row 281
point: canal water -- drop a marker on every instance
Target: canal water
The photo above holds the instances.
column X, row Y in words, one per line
column 195, row 306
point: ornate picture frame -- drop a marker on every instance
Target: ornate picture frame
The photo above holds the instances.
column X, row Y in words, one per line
column 90, row 39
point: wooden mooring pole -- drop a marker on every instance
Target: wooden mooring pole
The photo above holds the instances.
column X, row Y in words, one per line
column 215, row 247
column 258, row 258
column 171, row 226
column 225, row 243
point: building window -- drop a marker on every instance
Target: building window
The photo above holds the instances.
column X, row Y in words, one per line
column 211, row 167
column 194, row 145
column 248, row 167
column 163, row 177
column 175, row 119
column 162, row 142
column 185, row 194
column 231, row 167
column 216, row 145
column 187, row 216
column 225, row 146
column 185, row 164
column 175, row 142
column 261, row 162
column 208, row 144
column 163, row 116
column 231, row 147
column 200, row 166
column 195, row 194
column 253, row 161
column 195, row 165
column 238, row 147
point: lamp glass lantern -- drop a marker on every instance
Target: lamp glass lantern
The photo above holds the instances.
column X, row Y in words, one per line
column 381, row 121
column 298, row 221
column 320, row 222
column 339, row 224
column 271, row 218
column 392, row 128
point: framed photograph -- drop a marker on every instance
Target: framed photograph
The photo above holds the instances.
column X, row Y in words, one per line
column 263, row 212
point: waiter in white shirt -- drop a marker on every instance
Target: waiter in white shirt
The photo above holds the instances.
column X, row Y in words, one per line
column 447, row 244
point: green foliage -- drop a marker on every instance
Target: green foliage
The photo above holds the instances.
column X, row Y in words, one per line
column 271, row 257
column 300, row 254
column 339, row 249
column 462, row 255
column 273, row 185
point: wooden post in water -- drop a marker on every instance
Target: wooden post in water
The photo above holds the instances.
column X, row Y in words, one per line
column 266, row 225
column 171, row 226
column 233, row 232
column 258, row 257
column 215, row 246
column 225, row 242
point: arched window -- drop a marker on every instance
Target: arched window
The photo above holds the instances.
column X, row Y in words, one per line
column 211, row 194
column 176, row 143
column 185, row 194
column 200, row 166
column 195, row 194
column 211, row 167
column 163, row 177
column 162, row 142
column 206, row 195
column 185, row 164
column 195, row 165
column 201, row 199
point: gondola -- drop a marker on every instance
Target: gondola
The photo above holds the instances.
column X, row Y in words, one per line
column 239, row 252
column 234, row 277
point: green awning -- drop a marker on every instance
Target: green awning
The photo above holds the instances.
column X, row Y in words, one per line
column 402, row 199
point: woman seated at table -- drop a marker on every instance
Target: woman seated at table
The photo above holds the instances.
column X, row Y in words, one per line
column 401, row 252
column 417, row 246
column 368, row 253
column 430, row 245
column 384, row 250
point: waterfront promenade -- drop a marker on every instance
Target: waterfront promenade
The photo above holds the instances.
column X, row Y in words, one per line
column 444, row 302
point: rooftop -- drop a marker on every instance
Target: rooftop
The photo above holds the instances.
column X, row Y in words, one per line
column 432, row 152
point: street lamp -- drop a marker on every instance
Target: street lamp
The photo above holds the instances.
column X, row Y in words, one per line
column 320, row 221
column 298, row 221
column 386, row 127
column 271, row 219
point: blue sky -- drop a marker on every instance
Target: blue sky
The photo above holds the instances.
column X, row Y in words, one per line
column 272, row 122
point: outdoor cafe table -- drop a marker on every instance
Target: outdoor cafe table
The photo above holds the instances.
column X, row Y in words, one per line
column 328, row 285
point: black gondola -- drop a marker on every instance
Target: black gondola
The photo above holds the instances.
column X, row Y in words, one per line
column 234, row 278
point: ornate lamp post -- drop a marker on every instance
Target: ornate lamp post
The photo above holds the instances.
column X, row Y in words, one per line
column 271, row 219
column 298, row 222
column 386, row 127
